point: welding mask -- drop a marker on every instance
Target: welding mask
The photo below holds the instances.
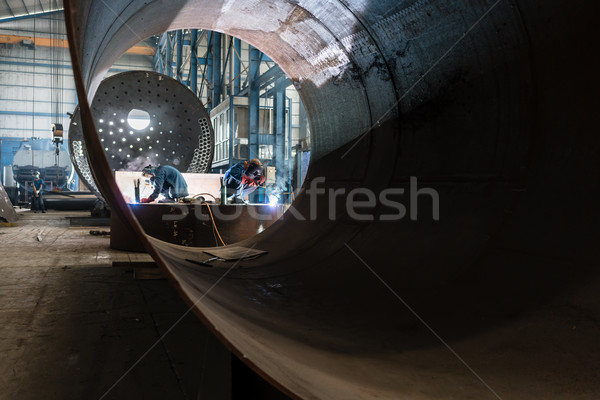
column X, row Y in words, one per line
column 148, row 171
column 254, row 171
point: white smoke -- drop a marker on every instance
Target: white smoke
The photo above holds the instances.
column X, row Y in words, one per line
column 138, row 163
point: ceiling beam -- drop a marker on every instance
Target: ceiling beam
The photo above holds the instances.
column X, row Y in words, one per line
column 9, row 7
column 48, row 42
column 25, row 6
column 27, row 16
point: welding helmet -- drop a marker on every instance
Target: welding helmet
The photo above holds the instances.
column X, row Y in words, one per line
column 149, row 171
column 254, row 169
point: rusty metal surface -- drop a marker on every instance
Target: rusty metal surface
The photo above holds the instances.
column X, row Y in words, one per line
column 7, row 212
column 487, row 103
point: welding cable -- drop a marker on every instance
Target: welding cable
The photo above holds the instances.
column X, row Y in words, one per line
column 204, row 194
column 214, row 224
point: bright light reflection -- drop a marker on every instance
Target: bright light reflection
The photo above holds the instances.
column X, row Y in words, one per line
column 138, row 119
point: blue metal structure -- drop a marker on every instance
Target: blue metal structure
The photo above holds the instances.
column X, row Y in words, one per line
column 179, row 62
column 279, row 128
column 193, row 74
column 253, row 102
column 244, row 91
column 169, row 59
column 237, row 46
column 216, row 70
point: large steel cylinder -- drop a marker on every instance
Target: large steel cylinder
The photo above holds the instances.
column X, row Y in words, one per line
column 483, row 108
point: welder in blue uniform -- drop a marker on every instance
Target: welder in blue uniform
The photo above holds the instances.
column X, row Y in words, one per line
column 167, row 181
column 242, row 179
column 37, row 202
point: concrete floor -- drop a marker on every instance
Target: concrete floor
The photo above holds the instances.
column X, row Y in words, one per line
column 71, row 324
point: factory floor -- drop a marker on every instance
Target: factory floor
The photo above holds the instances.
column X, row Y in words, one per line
column 73, row 326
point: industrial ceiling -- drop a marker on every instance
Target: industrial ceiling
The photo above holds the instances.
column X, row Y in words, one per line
column 17, row 9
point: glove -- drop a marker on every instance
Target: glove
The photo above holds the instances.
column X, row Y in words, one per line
column 247, row 181
column 259, row 180
column 146, row 200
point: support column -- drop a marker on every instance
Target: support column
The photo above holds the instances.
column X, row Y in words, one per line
column 303, row 121
column 194, row 61
column 169, row 57
column 288, row 149
column 208, row 78
column 178, row 70
column 226, row 68
column 216, row 69
column 158, row 62
column 237, row 45
column 253, row 102
column 279, row 105
column 231, row 131
column 229, row 64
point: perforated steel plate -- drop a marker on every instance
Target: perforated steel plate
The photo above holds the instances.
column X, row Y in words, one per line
column 146, row 118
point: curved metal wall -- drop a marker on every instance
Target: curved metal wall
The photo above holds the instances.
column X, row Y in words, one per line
column 487, row 103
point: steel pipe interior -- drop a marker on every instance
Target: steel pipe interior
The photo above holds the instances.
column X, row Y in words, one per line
column 488, row 103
